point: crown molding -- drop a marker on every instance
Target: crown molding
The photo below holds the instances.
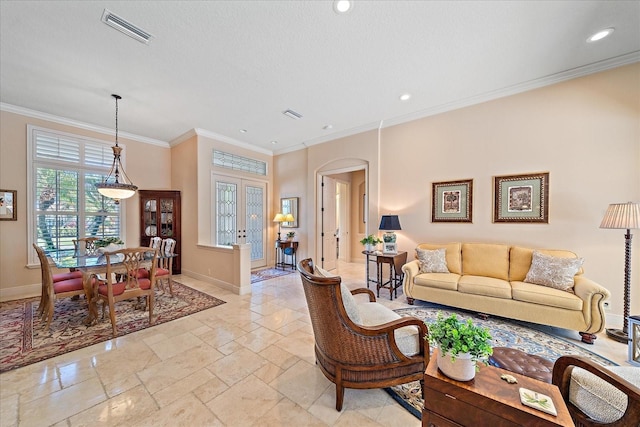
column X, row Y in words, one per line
column 208, row 134
column 77, row 124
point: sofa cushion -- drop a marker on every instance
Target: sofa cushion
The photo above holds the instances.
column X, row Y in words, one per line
column 452, row 254
column 555, row 272
column 432, row 261
column 438, row 280
column 483, row 259
column 527, row 292
column 597, row 398
column 486, row 286
column 520, row 260
column 375, row 314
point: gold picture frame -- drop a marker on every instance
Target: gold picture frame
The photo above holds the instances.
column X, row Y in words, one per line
column 452, row 201
column 521, row 198
column 8, row 205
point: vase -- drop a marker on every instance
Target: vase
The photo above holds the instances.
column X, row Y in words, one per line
column 369, row 247
column 463, row 368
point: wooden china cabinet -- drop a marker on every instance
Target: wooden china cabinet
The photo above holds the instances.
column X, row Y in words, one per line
column 160, row 216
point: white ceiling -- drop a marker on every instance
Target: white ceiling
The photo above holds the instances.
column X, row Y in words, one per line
column 222, row 66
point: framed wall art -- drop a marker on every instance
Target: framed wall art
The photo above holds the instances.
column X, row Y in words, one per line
column 452, row 201
column 521, row 198
column 8, row 205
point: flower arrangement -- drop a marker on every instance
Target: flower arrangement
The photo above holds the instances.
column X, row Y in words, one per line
column 291, row 235
column 457, row 337
column 106, row 241
column 371, row 240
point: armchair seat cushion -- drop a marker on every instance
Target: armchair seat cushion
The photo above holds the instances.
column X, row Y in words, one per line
column 59, row 277
column 120, row 287
column 597, row 398
column 68, row 285
column 375, row 314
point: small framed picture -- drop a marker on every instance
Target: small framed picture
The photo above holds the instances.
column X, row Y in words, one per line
column 521, row 198
column 8, row 205
column 389, row 248
column 452, row 201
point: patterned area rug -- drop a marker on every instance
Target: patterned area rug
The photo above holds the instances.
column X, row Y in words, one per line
column 505, row 333
column 25, row 340
column 269, row 273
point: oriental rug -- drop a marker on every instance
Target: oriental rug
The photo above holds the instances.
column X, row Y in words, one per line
column 269, row 273
column 25, row 340
column 504, row 332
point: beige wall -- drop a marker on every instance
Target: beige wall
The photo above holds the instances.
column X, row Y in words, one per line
column 143, row 163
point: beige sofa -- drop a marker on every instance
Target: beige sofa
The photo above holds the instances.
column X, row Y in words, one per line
column 489, row 278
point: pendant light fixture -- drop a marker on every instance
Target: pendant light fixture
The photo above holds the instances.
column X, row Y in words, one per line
column 115, row 189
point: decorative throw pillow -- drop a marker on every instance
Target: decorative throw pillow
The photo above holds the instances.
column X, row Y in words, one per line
column 432, row 261
column 349, row 302
column 554, row 272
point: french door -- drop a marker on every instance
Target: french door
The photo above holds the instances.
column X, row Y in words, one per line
column 239, row 207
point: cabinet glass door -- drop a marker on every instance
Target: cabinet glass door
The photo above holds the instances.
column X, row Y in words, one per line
column 166, row 217
column 150, row 218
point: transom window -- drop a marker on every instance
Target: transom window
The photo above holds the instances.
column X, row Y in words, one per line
column 66, row 205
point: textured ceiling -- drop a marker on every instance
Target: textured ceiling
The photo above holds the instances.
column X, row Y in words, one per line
column 222, row 66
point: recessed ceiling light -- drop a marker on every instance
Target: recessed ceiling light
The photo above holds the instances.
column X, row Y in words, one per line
column 405, row 97
column 274, row 142
column 327, row 127
column 600, row 35
column 342, row 6
column 243, row 131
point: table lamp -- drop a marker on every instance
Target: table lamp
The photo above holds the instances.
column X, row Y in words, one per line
column 623, row 216
column 279, row 218
column 389, row 223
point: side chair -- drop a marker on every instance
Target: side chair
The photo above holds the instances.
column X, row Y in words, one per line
column 164, row 271
column 123, row 282
column 67, row 285
column 367, row 352
column 598, row 396
column 85, row 245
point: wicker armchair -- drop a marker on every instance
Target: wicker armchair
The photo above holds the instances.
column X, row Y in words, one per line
column 599, row 391
column 352, row 355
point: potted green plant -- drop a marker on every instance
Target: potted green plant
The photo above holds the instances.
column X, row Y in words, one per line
column 461, row 344
column 291, row 235
column 370, row 242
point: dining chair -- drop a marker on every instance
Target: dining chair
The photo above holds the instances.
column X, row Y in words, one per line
column 53, row 290
column 165, row 264
column 127, row 284
column 85, row 245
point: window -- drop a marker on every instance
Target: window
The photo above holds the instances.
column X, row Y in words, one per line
column 239, row 163
column 65, row 203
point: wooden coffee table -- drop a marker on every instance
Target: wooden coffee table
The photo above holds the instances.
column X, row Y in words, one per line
column 486, row 400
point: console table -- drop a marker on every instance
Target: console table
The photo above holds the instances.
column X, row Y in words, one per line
column 285, row 248
column 486, row 400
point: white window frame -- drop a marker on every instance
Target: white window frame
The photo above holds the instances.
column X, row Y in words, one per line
column 33, row 164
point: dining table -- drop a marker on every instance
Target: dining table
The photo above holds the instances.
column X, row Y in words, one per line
column 91, row 264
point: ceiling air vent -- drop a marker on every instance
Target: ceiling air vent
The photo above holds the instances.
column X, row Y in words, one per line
column 292, row 114
column 120, row 24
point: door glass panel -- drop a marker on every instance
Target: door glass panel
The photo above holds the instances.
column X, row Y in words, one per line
column 150, row 218
column 166, row 217
column 254, row 220
column 226, row 213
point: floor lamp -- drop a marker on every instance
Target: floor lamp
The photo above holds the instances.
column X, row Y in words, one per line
column 623, row 216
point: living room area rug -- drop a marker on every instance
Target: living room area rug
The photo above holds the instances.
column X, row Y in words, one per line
column 504, row 332
column 25, row 339
column 269, row 273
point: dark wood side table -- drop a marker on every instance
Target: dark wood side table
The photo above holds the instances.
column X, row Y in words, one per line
column 286, row 248
column 380, row 259
column 486, row 400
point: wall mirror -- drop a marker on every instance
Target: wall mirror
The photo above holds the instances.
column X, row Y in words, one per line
column 8, row 211
column 289, row 205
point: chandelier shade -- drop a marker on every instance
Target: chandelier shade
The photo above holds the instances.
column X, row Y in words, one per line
column 117, row 184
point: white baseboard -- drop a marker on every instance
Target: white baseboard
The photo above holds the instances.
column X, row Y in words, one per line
column 225, row 285
column 19, row 292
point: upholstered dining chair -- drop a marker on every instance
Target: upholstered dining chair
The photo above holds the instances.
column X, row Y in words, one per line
column 66, row 285
column 122, row 280
column 598, row 396
column 165, row 264
column 352, row 355
column 85, row 245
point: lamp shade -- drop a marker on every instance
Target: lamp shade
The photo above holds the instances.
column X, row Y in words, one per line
column 288, row 218
column 622, row 215
column 278, row 218
column 389, row 222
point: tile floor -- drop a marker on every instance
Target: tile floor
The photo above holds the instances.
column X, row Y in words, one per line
column 247, row 362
